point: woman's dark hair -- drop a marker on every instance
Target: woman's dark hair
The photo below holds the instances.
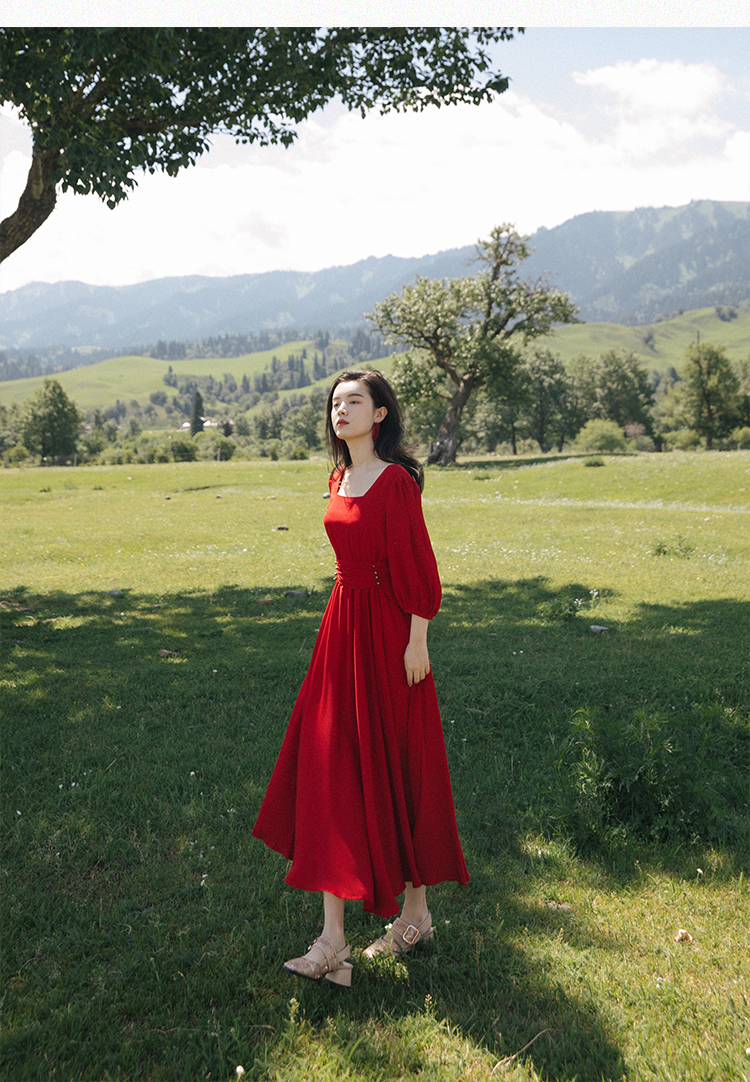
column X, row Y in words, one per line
column 388, row 446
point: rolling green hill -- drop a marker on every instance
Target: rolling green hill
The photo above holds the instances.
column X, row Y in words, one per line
column 659, row 345
column 136, row 377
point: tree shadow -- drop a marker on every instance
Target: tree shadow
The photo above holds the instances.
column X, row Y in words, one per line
column 139, row 900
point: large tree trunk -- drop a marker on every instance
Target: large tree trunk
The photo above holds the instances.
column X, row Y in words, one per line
column 443, row 450
column 35, row 205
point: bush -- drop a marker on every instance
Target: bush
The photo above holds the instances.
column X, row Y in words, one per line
column 593, row 460
column 184, row 450
column 17, row 455
column 213, row 445
column 741, row 438
column 661, row 778
column 598, row 435
column 685, row 439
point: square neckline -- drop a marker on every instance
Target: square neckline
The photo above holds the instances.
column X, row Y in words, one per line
column 372, row 486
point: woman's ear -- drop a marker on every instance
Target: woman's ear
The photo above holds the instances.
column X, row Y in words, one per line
column 381, row 413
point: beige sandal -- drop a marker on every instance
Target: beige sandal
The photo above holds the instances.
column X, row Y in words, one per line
column 401, row 937
column 333, row 967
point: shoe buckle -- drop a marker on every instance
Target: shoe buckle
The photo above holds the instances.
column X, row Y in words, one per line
column 411, row 935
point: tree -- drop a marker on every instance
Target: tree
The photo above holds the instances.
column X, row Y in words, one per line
column 709, row 390
column 10, row 427
column 459, row 330
column 196, row 414
column 103, row 102
column 548, row 392
column 51, row 422
column 623, row 390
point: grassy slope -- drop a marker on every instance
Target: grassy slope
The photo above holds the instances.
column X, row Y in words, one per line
column 136, row 377
column 671, row 338
column 144, row 928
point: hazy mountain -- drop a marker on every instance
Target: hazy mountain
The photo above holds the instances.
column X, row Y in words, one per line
column 625, row 267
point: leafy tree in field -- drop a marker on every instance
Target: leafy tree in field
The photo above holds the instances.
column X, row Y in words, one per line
column 710, row 391
column 10, row 427
column 546, row 415
column 305, row 424
column 51, row 422
column 460, row 331
column 624, row 393
column 613, row 387
column 196, row 414
column 104, row 102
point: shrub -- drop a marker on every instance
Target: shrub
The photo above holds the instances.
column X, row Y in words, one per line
column 680, row 547
column 661, row 778
column 216, row 445
column 598, row 435
column 17, row 454
column 561, row 608
column 741, row 437
column 593, row 460
column 184, row 450
column 685, row 439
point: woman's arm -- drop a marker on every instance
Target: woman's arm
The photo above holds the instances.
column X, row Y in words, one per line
column 416, row 658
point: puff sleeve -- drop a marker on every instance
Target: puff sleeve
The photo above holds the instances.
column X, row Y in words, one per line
column 411, row 561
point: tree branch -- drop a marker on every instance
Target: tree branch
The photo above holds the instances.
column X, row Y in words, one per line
column 35, row 205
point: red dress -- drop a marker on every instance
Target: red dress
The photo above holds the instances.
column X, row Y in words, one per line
column 360, row 798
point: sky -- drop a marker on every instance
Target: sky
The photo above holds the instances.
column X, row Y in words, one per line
column 608, row 118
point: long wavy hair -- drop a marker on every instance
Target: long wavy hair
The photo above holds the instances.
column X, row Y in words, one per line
column 389, row 445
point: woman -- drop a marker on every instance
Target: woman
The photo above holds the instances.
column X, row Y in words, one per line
column 360, row 799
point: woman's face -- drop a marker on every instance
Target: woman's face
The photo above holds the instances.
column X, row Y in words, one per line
column 353, row 412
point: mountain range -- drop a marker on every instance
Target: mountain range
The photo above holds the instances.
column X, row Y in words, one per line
column 630, row 267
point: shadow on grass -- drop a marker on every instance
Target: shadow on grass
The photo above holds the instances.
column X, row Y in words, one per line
column 146, row 929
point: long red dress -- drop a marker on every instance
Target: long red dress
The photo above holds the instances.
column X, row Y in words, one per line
column 360, row 798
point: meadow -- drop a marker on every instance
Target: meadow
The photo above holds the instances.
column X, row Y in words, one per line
column 144, row 695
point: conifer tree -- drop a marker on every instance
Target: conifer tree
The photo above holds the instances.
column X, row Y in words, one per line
column 196, row 414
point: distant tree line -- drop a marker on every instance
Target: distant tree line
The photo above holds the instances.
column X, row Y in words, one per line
column 29, row 363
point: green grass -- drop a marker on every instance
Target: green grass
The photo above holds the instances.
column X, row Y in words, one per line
column 144, row 929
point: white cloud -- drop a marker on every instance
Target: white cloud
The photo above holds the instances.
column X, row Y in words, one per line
column 403, row 183
column 654, row 87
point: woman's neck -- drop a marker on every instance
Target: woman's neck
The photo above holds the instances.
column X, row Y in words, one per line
column 362, row 454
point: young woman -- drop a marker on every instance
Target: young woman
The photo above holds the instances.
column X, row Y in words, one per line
column 360, row 798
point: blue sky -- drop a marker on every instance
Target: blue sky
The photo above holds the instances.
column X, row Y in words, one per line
column 596, row 119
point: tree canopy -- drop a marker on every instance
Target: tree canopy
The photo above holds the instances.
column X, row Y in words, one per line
column 710, row 393
column 51, row 422
column 104, row 102
column 459, row 331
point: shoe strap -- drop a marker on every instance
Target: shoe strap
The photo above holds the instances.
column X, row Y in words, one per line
column 331, row 958
column 407, row 932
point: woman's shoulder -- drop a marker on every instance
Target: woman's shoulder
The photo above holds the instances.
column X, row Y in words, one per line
column 400, row 478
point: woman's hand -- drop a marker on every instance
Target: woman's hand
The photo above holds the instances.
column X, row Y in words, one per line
column 416, row 658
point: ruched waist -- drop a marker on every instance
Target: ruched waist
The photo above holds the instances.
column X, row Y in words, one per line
column 361, row 575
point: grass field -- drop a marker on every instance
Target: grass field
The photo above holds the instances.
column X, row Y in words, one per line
column 144, row 929
column 99, row 385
